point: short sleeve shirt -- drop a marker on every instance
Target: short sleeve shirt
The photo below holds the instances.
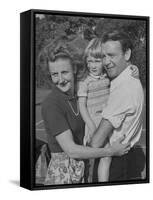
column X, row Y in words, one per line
column 60, row 113
column 125, row 107
column 96, row 90
column 91, row 84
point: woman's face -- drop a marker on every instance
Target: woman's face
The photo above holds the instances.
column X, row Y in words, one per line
column 62, row 74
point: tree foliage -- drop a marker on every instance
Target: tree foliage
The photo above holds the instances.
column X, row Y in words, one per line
column 77, row 31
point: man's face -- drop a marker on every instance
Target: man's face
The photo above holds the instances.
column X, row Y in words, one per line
column 114, row 59
column 62, row 75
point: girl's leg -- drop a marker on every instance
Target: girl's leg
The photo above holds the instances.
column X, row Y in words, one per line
column 103, row 169
column 91, row 167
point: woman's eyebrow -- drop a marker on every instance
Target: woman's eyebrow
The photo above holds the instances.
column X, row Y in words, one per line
column 53, row 73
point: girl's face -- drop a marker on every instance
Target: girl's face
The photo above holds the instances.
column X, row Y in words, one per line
column 94, row 65
column 62, row 75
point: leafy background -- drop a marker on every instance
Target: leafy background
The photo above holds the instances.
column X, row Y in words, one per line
column 77, row 31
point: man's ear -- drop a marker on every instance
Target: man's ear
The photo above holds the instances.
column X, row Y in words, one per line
column 128, row 54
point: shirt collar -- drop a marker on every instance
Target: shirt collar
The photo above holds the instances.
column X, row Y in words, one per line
column 60, row 94
column 121, row 78
column 102, row 76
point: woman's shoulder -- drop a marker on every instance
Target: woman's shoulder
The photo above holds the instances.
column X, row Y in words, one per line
column 50, row 100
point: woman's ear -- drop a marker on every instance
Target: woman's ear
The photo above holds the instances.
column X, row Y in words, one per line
column 127, row 54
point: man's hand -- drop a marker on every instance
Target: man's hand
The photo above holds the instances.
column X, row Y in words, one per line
column 118, row 149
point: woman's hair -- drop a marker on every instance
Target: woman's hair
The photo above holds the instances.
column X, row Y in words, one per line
column 122, row 37
column 94, row 49
column 57, row 50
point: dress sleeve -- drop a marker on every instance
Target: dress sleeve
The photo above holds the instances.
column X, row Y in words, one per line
column 55, row 119
column 82, row 89
column 119, row 106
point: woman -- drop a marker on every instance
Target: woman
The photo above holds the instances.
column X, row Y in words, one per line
column 64, row 125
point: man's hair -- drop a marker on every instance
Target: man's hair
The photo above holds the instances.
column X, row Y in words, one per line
column 122, row 37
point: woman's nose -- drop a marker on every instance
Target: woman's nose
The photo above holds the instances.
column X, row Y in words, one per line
column 61, row 79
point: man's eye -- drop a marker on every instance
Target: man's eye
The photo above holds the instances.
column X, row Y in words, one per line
column 65, row 72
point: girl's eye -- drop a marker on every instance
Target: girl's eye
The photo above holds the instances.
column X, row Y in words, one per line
column 97, row 61
column 93, row 61
column 88, row 61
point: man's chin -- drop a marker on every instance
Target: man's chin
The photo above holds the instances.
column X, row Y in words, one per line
column 111, row 75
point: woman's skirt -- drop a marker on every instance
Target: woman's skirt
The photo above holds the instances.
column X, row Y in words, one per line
column 64, row 170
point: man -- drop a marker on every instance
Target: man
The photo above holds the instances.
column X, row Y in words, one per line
column 123, row 114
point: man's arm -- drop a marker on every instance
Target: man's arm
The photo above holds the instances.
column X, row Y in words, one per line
column 104, row 130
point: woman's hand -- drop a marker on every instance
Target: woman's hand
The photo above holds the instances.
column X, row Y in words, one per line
column 118, row 149
column 88, row 136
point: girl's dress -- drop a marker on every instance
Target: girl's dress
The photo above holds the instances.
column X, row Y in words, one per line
column 96, row 90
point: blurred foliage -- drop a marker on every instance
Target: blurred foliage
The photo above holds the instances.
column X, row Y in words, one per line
column 76, row 31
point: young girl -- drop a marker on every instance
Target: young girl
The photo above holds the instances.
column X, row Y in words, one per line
column 93, row 93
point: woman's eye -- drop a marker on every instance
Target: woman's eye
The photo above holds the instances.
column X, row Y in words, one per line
column 112, row 56
column 54, row 74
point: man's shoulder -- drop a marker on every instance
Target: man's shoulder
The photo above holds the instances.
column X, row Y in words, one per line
column 133, row 82
column 131, row 88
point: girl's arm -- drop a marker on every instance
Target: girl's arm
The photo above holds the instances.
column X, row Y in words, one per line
column 73, row 150
column 134, row 71
column 85, row 114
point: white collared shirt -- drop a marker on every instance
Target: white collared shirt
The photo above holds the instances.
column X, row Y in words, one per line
column 125, row 107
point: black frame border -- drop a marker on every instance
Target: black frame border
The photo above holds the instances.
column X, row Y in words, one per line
column 27, row 98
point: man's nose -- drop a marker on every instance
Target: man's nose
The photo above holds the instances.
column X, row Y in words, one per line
column 106, row 60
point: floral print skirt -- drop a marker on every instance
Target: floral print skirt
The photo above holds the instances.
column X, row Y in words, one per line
column 64, row 170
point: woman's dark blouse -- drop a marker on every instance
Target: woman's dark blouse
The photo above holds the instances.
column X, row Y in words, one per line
column 59, row 117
